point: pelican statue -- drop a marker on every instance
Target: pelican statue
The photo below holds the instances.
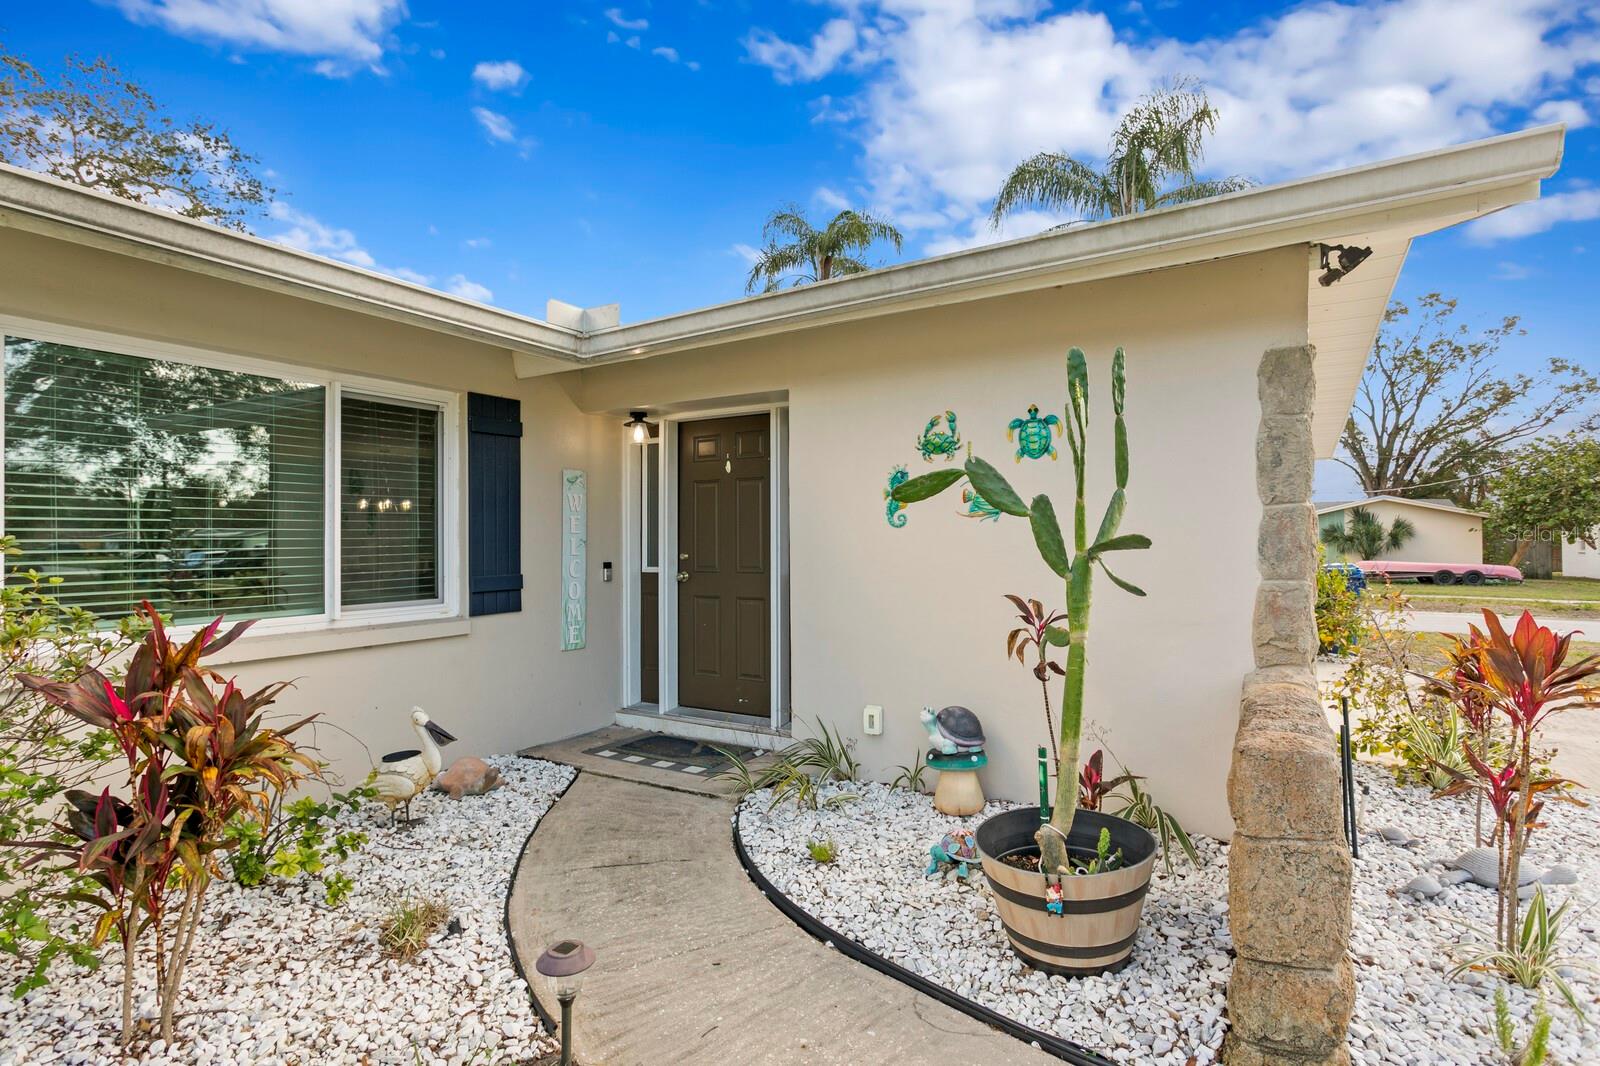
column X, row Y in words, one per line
column 402, row 776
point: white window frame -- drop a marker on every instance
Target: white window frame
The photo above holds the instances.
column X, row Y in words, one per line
column 334, row 616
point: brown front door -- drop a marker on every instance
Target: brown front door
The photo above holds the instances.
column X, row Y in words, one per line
column 724, row 565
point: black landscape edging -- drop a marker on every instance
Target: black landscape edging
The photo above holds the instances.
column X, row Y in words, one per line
column 545, row 1018
column 1076, row 1054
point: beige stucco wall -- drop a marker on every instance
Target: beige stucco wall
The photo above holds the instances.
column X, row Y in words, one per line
column 1442, row 536
column 904, row 617
column 499, row 687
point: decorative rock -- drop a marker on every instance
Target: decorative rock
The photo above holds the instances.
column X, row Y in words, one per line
column 1398, row 837
column 1482, row 866
column 468, row 776
column 1454, row 877
column 1422, row 886
column 1560, row 875
column 285, row 976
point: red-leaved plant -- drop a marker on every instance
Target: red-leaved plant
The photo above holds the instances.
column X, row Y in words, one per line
column 1522, row 676
column 195, row 758
column 1040, row 630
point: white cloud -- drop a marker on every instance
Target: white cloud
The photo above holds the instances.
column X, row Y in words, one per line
column 344, row 33
column 496, row 125
column 799, row 62
column 1570, row 112
column 830, row 199
column 476, row 242
column 751, row 255
column 1536, row 216
column 669, row 54
column 305, row 232
column 500, row 76
column 1506, row 270
column 623, row 22
column 613, row 37
column 955, row 92
column 464, row 287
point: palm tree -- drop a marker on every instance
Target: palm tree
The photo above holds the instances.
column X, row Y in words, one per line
column 815, row 255
column 1364, row 536
column 1160, row 138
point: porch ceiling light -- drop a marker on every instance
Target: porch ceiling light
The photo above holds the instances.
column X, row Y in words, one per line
column 1337, row 266
column 641, row 428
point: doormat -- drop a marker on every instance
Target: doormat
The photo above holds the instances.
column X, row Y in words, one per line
column 681, row 754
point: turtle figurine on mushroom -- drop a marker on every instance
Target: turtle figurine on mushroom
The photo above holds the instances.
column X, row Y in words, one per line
column 955, row 749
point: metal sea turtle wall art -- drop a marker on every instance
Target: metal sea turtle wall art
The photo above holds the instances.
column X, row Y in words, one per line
column 1035, row 435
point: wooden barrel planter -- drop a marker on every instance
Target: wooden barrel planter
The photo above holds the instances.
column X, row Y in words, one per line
column 1100, row 919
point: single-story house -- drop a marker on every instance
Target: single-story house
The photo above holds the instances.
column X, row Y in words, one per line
column 1445, row 533
column 429, row 501
column 1580, row 560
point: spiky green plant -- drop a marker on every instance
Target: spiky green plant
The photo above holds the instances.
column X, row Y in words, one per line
column 1074, row 568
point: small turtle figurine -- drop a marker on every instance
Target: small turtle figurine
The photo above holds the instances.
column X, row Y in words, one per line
column 935, row 441
column 1033, row 434
column 955, row 853
column 952, row 730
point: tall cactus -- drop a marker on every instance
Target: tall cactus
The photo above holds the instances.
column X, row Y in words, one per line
column 1076, row 568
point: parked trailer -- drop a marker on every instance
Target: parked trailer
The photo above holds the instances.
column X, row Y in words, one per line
column 1442, row 573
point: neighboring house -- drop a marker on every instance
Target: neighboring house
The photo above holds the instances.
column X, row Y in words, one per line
column 378, row 469
column 1445, row 533
column 1580, row 560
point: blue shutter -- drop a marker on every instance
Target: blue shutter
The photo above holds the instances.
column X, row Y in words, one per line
column 494, row 504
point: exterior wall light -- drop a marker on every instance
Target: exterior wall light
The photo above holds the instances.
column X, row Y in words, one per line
column 1336, row 267
column 564, row 963
column 641, row 428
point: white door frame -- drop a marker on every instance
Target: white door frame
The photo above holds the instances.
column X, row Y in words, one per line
column 667, row 584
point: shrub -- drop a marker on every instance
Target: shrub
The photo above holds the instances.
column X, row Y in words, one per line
column 1124, row 797
column 299, row 838
column 44, row 753
column 1340, row 625
column 910, row 775
column 822, row 851
column 798, row 770
column 404, row 932
column 194, row 759
column 1524, row 677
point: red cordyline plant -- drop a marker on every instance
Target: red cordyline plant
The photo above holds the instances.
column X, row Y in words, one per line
column 1040, row 630
column 195, row 758
column 1462, row 683
column 1521, row 675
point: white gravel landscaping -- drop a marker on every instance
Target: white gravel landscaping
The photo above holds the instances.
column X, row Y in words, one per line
column 277, row 978
column 1167, row 1006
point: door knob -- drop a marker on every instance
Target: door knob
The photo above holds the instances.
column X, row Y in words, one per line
column 683, row 575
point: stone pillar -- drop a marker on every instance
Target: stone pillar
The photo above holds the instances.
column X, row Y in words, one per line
column 1292, row 990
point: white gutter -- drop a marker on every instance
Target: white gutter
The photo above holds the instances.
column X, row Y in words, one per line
column 1376, row 196
column 1421, row 192
column 1429, row 504
column 54, row 208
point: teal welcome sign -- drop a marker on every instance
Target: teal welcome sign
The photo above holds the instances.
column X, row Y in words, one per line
column 574, row 559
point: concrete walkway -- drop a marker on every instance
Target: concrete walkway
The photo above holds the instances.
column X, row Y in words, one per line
column 693, row 964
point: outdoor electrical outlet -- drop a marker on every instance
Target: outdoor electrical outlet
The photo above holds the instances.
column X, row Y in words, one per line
column 872, row 721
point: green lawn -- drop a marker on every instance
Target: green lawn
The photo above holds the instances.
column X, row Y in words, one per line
column 1554, row 596
column 1430, row 648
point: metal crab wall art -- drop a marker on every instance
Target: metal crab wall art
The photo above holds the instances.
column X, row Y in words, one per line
column 1035, row 436
column 894, row 510
column 934, row 441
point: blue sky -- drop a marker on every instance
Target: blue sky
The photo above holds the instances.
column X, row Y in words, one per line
column 595, row 153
